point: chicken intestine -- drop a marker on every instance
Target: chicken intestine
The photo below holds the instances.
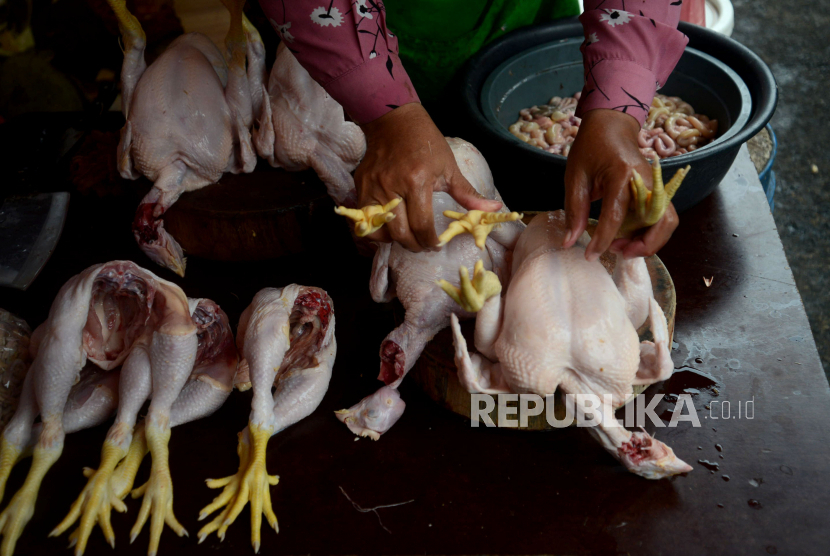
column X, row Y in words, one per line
column 672, row 127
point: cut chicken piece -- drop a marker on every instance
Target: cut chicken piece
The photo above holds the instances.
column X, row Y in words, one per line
column 375, row 414
column 286, row 337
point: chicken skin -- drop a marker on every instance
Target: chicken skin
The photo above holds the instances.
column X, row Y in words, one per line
column 189, row 116
column 208, row 386
column 411, row 277
column 565, row 323
column 111, row 315
column 286, row 338
column 302, row 127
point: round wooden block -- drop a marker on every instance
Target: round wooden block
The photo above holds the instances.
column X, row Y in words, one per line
column 436, row 374
column 249, row 217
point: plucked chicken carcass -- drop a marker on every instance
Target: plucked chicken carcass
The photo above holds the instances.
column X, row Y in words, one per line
column 565, row 323
column 189, row 116
column 412, row 276
column 208, row 386
column 286, row 338
column 302, row 127
column 98, row 316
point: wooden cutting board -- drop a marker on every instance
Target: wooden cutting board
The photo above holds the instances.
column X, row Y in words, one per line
column 435, row 370
column 251, row 217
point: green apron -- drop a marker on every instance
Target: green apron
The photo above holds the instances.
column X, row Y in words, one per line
column 437, row 36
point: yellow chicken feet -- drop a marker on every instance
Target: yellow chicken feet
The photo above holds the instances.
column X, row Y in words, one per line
column 124, row 475
column 10, row 454
column 19, row 511
column 129, row 26
column 476, row 222
column 250, row 484
column 473, row 293
column 104, row 492
column 650, row 205
column 95, row 502
column 157, row 492
column 369, row 220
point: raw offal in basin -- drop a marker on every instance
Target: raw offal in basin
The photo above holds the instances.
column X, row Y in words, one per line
column 671, row 129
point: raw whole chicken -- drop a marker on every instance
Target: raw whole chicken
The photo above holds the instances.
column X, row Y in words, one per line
column 412, row 276
column 565, row 323
column 110, row 315
column 301, row 126
column 286, row 338
column 208, row 386
column 188, row 116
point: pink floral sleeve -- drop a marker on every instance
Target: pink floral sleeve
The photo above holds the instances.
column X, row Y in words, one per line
column 630, row 49
column 345, row 46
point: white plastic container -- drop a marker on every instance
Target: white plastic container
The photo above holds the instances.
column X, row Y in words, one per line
column 720, row 16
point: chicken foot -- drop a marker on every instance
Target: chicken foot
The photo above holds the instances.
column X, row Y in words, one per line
column 478, row 223
column 209, row 386
column 369, row 219
column 293, row 351
column 97, row 498
column 649, row 206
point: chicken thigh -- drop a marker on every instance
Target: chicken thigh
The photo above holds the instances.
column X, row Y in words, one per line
column 301, row 126
column 286, row 338
column 110, row 314
column 411, row 277
column 565, row 323
column 188, row 116
column 207, row 388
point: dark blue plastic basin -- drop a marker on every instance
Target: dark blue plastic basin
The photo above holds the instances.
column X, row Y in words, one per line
column 716, row 75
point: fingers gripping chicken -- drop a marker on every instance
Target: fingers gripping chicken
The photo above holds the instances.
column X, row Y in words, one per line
column 188, row 116
column 286, row 338
column 208, row 386
column 100, row 315
column 412, row 277
column 565, row 323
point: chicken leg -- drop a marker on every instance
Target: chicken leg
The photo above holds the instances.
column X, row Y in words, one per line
column 287, row 338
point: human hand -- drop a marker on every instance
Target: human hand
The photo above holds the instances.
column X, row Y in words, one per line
column 600, row 166
column 408, row 158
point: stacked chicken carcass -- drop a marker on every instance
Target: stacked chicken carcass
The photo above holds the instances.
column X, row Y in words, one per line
column 118, row 336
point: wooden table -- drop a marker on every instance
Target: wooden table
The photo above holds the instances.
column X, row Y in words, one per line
column 494, row 491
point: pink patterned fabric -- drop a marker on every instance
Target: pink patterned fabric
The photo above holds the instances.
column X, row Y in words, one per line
column 628, row 55
column 346, row 47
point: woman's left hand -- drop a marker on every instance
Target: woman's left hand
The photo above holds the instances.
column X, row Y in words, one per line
column 600, row 165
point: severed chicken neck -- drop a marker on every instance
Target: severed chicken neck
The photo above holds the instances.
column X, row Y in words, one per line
column 411, row 277
column 189, row 116
column 566, row 323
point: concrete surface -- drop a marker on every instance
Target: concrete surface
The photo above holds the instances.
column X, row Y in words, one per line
column 792, row 38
